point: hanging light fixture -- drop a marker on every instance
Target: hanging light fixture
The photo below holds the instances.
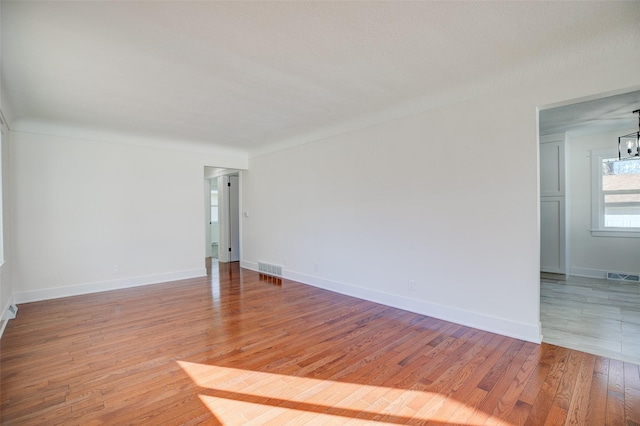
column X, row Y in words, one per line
column 629, row 145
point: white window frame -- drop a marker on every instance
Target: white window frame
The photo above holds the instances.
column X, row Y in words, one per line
column 597, row 199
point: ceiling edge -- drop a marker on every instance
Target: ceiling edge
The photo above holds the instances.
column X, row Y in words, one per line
column 122, row 138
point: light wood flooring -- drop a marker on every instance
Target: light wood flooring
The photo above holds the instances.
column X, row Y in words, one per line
column 238, row 348
column 596, row 316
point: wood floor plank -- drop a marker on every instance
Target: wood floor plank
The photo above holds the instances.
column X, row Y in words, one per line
column 582, row 389
column 237, row 348
column 467, row 389
column 596, row 408
column 615, row 404
column 498, row 369
column 534, row 384
column 463, row 413
column 443, row 388
column 557, row 416
column 632, row 393
column 490, row 406
column 544, row 399
column 509, row 397
column 568, row 381
column 615, row 409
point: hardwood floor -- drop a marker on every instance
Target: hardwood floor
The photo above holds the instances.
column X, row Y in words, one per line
column 238, row 348
column 593, row 315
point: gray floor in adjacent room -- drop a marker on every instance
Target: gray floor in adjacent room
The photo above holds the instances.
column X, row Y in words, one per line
column 592, row 315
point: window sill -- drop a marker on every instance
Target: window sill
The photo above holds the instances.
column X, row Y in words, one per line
column 617, row 233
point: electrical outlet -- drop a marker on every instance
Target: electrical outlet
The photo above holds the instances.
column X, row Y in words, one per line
column 412, row 285
column 116, row 269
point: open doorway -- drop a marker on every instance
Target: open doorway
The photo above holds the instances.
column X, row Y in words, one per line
column 589, row 289
column 222, row 214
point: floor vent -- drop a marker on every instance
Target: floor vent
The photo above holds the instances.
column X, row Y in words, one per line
column 623, row 277
column 11, row 312
column 269, row 269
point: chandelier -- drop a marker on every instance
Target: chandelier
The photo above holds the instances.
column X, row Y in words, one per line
column 629, row 145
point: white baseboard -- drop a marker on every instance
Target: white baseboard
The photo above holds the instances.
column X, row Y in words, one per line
column 96, row 287
column 597, row 273
column 5, row 316
column 588, row 273
column 250, row 265
column 484, row 322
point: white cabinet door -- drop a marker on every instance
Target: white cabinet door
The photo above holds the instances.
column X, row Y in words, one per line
column 552, row 235
column 553, row 221
column 552, row 168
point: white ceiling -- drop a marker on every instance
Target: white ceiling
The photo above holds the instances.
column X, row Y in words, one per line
column 596, row 115
column 252, row 76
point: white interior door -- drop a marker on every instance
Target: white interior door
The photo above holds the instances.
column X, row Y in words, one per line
column 234, row 218
column 229, row 218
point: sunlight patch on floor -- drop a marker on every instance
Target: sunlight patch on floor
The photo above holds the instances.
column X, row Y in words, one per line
column 237, row 396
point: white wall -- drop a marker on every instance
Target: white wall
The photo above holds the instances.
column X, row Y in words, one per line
column 80, row 208
column 593, row 256
column 448, row 198
column 6, row 287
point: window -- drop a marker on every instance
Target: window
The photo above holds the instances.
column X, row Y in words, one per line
column 615, row 195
